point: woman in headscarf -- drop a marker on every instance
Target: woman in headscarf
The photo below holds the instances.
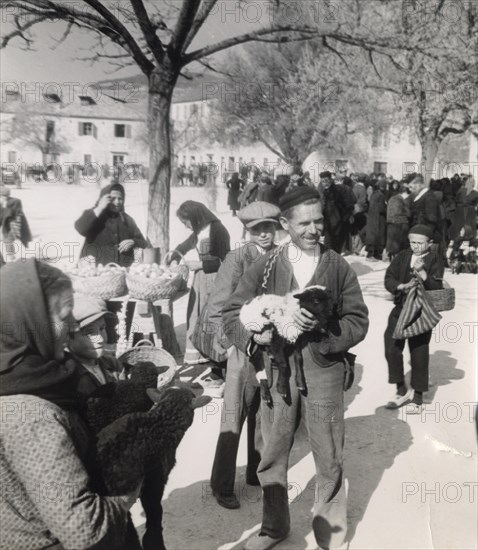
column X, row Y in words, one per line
column 48, row 500
column 110, row 234
column 209, row 242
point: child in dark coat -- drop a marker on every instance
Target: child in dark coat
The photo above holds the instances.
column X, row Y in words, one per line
column 418, row 261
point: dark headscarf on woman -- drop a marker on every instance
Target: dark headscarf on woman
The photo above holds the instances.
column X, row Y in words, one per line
column 198, row 214
column 27, row 344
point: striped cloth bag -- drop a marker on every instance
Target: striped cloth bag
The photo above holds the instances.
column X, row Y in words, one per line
column 418, row 314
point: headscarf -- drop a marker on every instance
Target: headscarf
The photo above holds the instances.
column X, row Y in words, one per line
column 106, row 191
column 27, row 347
column 198, row 214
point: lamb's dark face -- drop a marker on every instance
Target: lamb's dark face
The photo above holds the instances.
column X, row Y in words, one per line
column 178, row 396
column 317, row 301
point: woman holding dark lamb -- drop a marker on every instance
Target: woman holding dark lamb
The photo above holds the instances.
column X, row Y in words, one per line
column 110, row 234
column 49, row 500
column 207, row 245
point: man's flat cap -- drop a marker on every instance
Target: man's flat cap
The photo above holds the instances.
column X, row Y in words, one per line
column 258, row 212
column 296, row 196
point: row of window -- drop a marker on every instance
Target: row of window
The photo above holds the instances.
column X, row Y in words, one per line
column 90, row 129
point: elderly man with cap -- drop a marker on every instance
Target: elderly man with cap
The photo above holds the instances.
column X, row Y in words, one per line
column 300, row 263
column 417, row 261
column 241, row 396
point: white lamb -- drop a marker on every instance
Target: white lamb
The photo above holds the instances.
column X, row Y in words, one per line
column 277, row 312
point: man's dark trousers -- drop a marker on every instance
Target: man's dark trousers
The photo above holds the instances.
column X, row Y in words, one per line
column 323, row 411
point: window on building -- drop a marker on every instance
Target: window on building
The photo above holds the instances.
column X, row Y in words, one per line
column 379, row 167
column 381, row 137
column 122, row 130
column 194, row 109
column 230, row 164
column 12, row 156
column 266, row 162
column 86, row 100
column 87, row 159
column 52, row 98
column 87, row 129
column 118, row 159
column 50, row 131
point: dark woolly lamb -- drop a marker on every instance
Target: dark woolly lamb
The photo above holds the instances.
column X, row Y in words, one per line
column 141, row 442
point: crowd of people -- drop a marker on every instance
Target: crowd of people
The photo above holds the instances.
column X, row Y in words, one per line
column 371, row 214
column 56, row 369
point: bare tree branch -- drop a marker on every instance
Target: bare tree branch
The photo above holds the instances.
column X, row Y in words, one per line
column 248, row 37
column 129, row 41
column 186, row 17
column 149, row 33
column 201, row 16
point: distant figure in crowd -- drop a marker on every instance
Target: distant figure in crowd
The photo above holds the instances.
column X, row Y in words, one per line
column 375, row 237
column 398, row 216
column 234, row 185
column 207, row 246
column 49, row 447
column 110, row 234
column 14, row 225
column 266, row 191
column 242, row 389
column 338, row 211
column 425, row 210
column 360, row 212
column 417, row 261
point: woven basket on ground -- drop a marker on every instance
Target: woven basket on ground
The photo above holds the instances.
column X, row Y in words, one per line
column 443, row 299
column 106, row 285
column 144, row 351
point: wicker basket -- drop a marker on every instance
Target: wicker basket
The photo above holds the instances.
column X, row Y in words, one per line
column 443, row 299
column 145, row 288
column 181, row 269
column 109, row 284
column 144, row 350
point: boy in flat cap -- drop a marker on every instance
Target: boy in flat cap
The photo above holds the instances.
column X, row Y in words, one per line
column 87, row 345
column 241, row 395
column 419, row 261
column 297, row 264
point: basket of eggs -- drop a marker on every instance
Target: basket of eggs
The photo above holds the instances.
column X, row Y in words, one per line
column 103, row 281
column 152, row 282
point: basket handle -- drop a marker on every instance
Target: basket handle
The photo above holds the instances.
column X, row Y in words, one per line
column 143, row 342
column 113, row 264
column 170, row 253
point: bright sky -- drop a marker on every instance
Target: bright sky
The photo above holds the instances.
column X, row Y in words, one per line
column 61, row 65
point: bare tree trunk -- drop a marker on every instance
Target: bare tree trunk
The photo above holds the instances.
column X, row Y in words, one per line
column 161, row 85
column 430, row 148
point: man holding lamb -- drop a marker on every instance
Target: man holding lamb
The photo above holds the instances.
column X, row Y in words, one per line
column 300, row 263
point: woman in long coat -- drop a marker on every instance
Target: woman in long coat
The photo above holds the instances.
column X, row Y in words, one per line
column 235, row 185
column 211, row 242
column 376, row 232
column 110, row 234
column 398, row 219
